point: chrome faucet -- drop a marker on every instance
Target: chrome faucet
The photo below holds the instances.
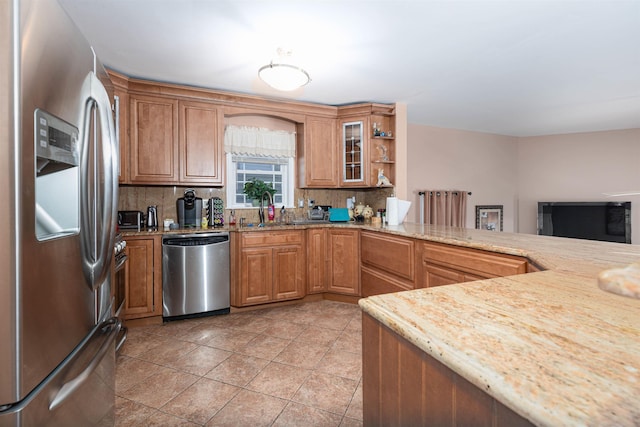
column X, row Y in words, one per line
column 261, row 209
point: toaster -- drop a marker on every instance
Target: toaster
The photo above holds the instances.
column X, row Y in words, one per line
column 130, row 220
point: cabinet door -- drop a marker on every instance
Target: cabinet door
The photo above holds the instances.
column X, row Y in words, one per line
column 344, row 261
column 123, row 135
column 318, row 162
column 316, row 260
column 153, row 140
column 139, row 279
column 288, row 272
column 354, row 153
column 201, row 157
column 256, row 275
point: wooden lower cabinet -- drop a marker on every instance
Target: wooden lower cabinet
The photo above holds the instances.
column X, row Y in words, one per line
column 388, row 263
column 143, row 278
column 436, row 275
column 269, row 266
column 256, row 276
column 343, row 261
column 288, row 272
column 316, row 260
column 442, row 264
column 404, row 386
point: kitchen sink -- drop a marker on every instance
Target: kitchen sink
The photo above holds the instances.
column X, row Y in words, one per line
column 294, row 222
column 309, row 221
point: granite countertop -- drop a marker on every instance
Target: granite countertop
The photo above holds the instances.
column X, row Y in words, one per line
column 550, row 345
column 237, row 228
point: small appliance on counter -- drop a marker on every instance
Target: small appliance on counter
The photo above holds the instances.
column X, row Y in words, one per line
column 152, row 217
column 339, row 215
column 130, row 220
column 319, row 213
column 189, row 210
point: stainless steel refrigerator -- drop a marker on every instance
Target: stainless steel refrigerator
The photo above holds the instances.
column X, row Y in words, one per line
column 58, row 193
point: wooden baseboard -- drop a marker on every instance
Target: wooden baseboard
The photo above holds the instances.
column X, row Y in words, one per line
column 351, row 299
column 157, row 320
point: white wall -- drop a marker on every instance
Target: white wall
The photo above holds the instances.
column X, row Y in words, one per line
column 519, row 172
column 578, row 167
column 482, row 163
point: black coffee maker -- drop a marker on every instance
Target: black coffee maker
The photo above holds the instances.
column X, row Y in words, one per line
column 189, row 210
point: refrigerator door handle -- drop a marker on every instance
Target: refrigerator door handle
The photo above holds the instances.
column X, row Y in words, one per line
column 97, row 250
column 111, row 327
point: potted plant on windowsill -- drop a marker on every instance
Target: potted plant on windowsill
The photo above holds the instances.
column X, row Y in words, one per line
column 255, row 188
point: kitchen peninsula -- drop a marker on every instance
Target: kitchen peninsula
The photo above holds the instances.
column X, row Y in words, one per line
column 548, row 348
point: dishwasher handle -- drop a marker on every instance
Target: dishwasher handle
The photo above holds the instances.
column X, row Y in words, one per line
column 194, row 240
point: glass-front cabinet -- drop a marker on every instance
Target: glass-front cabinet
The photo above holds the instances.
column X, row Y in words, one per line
column 353, row 153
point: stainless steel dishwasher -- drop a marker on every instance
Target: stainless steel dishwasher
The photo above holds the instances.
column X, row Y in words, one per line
column 195, row 275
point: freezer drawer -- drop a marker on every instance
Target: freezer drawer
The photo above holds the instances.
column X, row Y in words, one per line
column 79, row 392
column 195, row 274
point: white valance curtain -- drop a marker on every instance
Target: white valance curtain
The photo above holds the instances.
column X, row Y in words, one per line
column 252, row 141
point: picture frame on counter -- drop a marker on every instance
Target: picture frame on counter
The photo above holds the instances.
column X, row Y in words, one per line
column 489, row 217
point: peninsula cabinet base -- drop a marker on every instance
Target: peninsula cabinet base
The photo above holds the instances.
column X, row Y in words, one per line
column 403, row 386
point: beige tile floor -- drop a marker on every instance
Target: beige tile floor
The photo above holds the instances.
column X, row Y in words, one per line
column 298, row 365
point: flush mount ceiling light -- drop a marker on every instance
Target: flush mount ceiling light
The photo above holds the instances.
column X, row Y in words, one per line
column 281, row 75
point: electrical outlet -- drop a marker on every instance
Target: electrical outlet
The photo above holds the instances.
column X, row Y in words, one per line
column 311, row 203
column 301, row 203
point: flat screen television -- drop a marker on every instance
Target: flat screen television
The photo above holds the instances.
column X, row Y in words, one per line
column 604, row 221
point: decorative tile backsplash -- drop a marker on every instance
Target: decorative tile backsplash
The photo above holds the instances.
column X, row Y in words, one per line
column 138, row 198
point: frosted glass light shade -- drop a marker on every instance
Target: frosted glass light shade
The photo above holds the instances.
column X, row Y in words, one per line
column 283, row 77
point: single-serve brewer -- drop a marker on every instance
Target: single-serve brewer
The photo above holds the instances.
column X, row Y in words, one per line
column 189, row 210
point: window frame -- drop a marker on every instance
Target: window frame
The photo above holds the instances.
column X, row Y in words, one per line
column 288, row 178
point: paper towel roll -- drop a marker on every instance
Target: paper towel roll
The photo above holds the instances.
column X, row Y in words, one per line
column 396, row 210
column 403, row 210
column 392, row 211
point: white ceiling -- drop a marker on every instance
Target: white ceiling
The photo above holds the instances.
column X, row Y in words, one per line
column 509, row 67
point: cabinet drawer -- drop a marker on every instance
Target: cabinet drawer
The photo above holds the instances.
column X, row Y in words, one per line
column 482, row 263
column 268, row 238
column 389, row 253
column 375, row 283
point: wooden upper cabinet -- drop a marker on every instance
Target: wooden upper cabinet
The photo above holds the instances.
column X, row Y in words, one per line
column 354, row 170
column 317, row 153
column 201, row 140
column 153, row 140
